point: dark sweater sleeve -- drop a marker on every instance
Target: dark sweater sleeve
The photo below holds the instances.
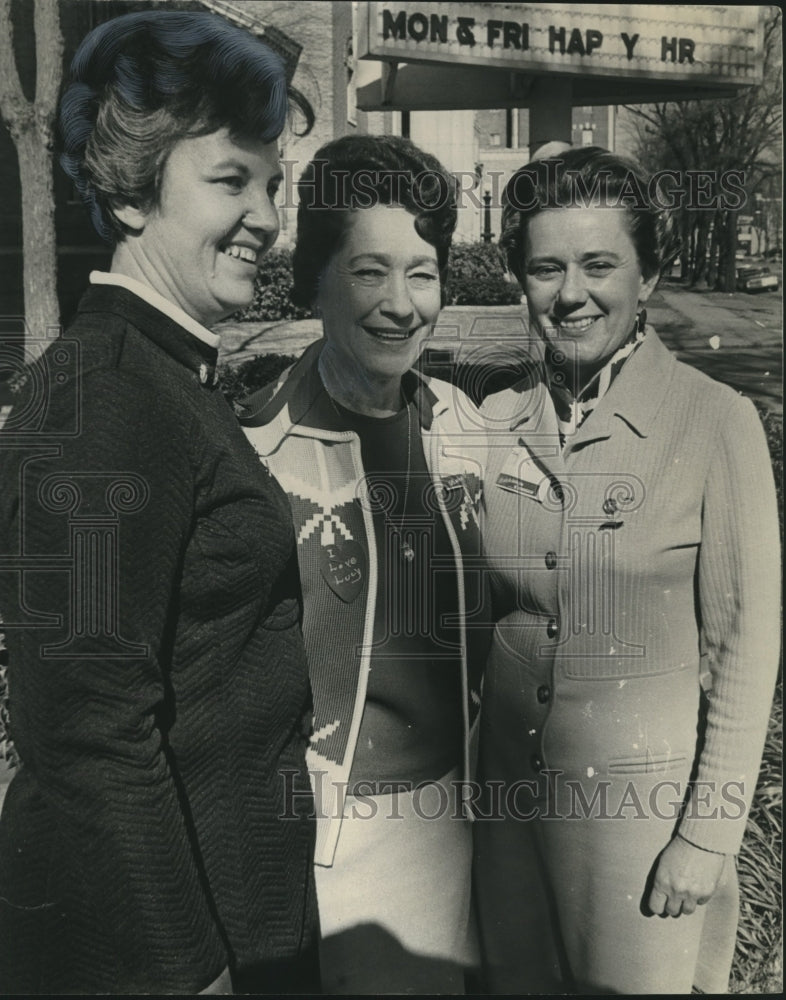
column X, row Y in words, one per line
column 90, row 705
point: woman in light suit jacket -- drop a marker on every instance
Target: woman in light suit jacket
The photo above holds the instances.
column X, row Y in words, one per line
column 633, row 538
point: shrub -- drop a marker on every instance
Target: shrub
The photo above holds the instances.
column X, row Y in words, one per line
column 238, row 381
column 7, row 750
column 272, row 290
column 478, row 278
column 773, row 428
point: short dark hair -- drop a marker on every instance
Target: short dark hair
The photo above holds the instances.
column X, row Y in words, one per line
column 142, row 82
column 584, row 177
column 357, row 172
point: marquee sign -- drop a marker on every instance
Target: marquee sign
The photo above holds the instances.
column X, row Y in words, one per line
column 708, row 46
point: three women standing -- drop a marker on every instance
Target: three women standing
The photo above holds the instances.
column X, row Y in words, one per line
column 158, row 681
column 631, row 529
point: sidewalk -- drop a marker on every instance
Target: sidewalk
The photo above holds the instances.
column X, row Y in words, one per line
column 732, row 337
column 705, row 316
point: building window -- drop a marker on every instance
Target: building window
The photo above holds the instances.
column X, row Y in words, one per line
column 405, row 124
column 494, row 139
column 586, row 136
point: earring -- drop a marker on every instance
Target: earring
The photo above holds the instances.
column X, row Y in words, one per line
column 641, row 320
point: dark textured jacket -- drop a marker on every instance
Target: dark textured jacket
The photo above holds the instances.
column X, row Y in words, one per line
column 159, row 697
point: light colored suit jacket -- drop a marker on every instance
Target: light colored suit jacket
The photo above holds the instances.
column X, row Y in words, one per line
column 639, row 557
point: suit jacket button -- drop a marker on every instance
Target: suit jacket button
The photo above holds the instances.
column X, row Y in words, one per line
column 551, row 560
column 552, row 628
column 536, row 762
column 544, row 693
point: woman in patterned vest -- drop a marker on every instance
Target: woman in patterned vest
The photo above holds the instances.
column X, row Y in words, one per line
column 382, row 469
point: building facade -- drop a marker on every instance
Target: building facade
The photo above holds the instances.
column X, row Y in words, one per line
column 321, row 41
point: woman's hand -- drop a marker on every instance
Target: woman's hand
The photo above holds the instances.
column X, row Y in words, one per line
column 685, row 877
column 222, row 984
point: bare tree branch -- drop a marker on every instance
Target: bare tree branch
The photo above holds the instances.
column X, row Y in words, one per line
column 739, row 133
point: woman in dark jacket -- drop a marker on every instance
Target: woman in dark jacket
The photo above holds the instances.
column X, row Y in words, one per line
column 158, row 835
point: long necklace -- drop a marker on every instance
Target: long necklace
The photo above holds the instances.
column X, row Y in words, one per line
column 405, row 547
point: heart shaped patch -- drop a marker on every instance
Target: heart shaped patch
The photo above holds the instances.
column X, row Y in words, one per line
column 343, row 568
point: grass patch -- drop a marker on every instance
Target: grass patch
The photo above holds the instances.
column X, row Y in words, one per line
column 758, row 959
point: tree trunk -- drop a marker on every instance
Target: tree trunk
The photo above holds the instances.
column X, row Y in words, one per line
column 700, row 260
column 686, row 253
column 726, row 277
column 42, row 312
column 713, row 264
column 31, row 125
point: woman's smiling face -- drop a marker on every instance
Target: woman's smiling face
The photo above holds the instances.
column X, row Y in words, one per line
column 380, row 293
column 200, row 245
column 583, row 281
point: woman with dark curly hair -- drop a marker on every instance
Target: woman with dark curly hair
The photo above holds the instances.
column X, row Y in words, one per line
column 158, row 836
column 382, row 479
column 633, row 539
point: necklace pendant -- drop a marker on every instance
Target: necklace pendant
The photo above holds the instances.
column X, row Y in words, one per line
column 407, row 551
